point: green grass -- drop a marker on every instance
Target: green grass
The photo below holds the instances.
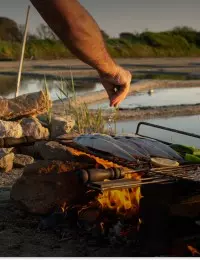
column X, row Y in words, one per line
column 178, row 42
column 85, row 120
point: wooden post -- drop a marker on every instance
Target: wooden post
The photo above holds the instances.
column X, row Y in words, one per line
column 22, row 52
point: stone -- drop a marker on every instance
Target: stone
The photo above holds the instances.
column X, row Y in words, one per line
column 32, row 127
column 61, row 125
column 67, row 137
column 53, row 151
column 6, row 161
column 21, row 160
column 27, row 127
column 10, row 129
column 30, row 104
column 28, row 150
column 55, row 166
column 45, row 186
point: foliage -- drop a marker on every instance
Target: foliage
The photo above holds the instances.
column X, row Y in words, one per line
column 178, row 42
column 85, row 120
column 9, row 30
column 45, row 33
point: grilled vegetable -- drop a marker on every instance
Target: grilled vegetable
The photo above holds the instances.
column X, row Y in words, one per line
column 192, row 158
column 197, row 152
column 183, row 149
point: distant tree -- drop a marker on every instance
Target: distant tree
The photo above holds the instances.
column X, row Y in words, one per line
column 132, row 37
column 191, row 35
column 105, row 35
column 126, row 35
column 9, row 30
column 30, row 36
column 44, row 32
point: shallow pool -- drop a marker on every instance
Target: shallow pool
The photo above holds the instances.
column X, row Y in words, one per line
column 28, row 85
column 160, row 97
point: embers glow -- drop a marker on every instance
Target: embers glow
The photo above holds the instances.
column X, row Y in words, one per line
column 193, row 250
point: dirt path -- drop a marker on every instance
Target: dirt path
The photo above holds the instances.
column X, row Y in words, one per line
column 57, row 68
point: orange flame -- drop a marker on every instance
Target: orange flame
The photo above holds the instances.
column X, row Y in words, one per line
column 124, row 201
column 193, row 250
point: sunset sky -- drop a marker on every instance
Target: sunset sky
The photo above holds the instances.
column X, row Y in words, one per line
column 115, row 16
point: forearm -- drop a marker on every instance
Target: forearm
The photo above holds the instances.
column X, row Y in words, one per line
column 78, row 31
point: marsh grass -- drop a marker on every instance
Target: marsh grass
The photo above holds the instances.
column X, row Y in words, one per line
column 47, row 95
column 86, row 121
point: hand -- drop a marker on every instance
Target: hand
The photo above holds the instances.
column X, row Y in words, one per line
column 116, row 85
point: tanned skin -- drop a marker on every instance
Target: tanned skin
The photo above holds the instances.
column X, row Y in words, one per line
column 80, row 33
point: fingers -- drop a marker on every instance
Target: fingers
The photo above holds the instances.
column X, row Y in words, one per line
column 117, row 87
column 120, row 95
column 109, row 89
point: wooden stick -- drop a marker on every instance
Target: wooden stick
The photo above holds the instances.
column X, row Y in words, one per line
column 22, row 53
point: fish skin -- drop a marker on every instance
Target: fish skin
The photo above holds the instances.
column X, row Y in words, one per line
column 104, row 144
column 133, row 145
column 160, row 149
column 143, row 147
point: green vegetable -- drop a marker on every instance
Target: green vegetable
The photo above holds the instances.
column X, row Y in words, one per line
column 196, row 152
column 183, row 149
column 192, row 158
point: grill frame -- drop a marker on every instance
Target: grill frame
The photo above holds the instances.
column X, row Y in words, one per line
column 165, row 129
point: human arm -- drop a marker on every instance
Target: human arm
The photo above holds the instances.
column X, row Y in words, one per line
column 81, row 34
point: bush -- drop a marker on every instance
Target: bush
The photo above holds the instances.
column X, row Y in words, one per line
column 179, row 42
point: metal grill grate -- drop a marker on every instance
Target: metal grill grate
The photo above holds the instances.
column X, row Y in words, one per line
column 126, row 183
column 155, row 176
column 185, row 172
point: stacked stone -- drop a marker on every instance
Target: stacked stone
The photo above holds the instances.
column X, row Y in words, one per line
column 20, row 125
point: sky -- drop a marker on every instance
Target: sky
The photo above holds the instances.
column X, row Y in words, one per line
column 115, row 16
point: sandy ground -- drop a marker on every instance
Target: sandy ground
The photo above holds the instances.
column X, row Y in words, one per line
column 55, row 68
column 19, row 234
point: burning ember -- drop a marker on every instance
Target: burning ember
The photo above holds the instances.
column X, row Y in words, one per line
column 193, row 250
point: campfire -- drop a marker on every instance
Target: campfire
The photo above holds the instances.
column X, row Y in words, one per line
column 122, row 201
column 93, row 203
column 119, row 189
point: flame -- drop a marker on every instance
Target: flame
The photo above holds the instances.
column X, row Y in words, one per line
column 193, row 250
column 64, row 207
column 105, row 163
column 124, row 201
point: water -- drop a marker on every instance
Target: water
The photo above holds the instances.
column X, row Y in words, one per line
column 28, row 85
column 185, row 123
column 160, row 97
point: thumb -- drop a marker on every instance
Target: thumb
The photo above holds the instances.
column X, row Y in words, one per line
column 120, row 95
